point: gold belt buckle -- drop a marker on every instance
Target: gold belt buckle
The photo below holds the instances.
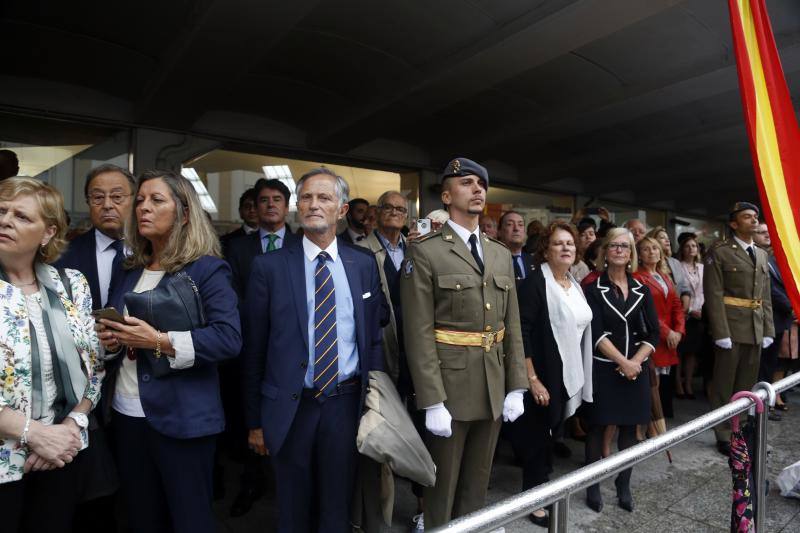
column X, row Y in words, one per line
column 487, row 340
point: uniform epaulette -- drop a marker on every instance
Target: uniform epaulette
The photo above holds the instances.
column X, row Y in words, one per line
column 494, row 240
column 427, row 236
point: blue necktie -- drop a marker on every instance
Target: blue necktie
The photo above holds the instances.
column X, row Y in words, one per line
column 116, row 265
column 326, row 352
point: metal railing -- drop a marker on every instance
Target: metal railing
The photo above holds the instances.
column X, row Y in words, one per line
column 558, row 491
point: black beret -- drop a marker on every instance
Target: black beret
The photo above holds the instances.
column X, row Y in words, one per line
column 738, row 207
column 461, row 166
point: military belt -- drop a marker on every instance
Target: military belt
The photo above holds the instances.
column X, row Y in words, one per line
column 741, row 302
column 470, row 338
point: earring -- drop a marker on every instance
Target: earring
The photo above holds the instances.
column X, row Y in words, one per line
column 629, row 265
column 605, row 265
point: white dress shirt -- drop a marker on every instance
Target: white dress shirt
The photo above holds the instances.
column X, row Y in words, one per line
column 464, row 233
column 745, row 245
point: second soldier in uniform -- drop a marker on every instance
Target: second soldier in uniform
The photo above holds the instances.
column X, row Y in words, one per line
column 463, row 343
column 737, row 293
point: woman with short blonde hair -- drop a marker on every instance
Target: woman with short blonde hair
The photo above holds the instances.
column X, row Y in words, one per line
column 50, row 374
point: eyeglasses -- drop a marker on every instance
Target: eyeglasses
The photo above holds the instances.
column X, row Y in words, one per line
column 388, row 208
column 619, row 246
column 99, row 198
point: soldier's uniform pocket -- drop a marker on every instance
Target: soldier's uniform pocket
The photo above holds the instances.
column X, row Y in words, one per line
column 454, row 298
column 732, row 277
column 503, row 284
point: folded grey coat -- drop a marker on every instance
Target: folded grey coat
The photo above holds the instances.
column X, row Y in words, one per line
column 387, row 435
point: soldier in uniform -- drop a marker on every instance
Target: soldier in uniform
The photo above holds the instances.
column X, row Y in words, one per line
column 737, row 293
column 463, row 344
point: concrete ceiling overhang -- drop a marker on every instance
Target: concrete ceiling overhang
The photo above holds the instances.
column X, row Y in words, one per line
column 623, row 98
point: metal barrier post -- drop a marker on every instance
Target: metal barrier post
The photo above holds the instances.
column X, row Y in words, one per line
column 760, row 456
column 559, row 514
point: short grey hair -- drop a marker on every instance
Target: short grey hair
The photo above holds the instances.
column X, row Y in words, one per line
column 382, row 198
column 341, row 186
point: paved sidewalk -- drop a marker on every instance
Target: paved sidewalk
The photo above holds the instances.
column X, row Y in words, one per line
column 690, row 495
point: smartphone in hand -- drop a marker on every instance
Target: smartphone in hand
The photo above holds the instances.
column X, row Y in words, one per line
column 109, row 313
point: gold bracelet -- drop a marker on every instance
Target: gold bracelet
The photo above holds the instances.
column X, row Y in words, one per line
column 157, row 353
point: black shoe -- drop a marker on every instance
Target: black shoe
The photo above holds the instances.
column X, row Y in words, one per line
column 774, row 415
column 594, row 500
column 561, row 450
column 245, row 499
column 724, row 448
column 624, row 495
column 541, row 521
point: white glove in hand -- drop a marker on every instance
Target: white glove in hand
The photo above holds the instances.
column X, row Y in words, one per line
column 438, row 420
column 513, row 406
column 766, row 342
column 725, row 344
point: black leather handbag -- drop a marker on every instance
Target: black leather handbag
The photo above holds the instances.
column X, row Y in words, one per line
column 172, row 306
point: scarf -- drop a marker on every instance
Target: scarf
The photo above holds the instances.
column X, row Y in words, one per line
column 70, row 379
column 576, row 354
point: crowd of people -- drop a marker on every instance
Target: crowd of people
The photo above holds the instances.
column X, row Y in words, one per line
column 138, row 354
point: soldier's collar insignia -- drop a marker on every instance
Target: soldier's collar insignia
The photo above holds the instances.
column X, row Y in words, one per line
column 448, row 237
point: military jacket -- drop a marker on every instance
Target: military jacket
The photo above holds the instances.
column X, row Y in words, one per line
column 441, row 287
column 729, row 271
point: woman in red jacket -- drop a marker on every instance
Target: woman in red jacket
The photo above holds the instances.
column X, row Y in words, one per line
column 653, row 273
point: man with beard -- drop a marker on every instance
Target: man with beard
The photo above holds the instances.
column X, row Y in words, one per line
column 463, row 344
column 356, row 221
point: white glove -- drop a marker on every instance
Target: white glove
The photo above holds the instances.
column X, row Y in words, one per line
column 766, row 342
column 513, row 406
column 438, row 420
column 725, row 344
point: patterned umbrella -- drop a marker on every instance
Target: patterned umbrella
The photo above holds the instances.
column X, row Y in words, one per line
column 741, row 462
column 657, row 424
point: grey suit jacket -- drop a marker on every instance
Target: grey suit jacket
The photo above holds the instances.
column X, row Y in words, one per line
column 391, row 345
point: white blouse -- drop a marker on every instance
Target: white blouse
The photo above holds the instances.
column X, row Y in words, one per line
column 579, row 308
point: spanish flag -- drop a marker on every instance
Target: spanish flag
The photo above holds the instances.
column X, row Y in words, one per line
column 774, row 134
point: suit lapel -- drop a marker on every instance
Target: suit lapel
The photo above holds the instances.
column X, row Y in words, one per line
column 459, row 247
column 635, row 296
column 89, row 260
column 356, row 293
column 297, row 275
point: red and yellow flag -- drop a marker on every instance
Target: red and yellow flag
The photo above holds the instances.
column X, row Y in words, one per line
column 774, row 134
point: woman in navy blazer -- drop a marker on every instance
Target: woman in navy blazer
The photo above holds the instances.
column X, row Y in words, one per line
column 166, row 427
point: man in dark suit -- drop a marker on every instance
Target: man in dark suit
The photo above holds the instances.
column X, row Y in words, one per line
column 356, row 230
column 312, row 327
column 99, row 252
column 248, row 212
column 511, row 232
column 272, row 204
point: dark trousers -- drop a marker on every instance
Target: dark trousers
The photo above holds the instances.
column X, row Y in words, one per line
column 42, row 502
column 532, row 442
column 769, row 360
column 666, row 391
column 315, row 468
column 166, row 483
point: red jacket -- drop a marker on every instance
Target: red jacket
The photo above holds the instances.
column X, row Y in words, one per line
column 670, row 316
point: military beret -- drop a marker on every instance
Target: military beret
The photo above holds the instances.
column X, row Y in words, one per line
column 738, row 207
column 461, row 166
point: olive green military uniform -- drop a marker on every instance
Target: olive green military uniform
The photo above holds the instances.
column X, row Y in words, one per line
column 739, row 307
column 445, row 296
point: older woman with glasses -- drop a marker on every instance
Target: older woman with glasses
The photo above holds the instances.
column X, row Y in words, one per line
column 625, row 334
column 49, row 371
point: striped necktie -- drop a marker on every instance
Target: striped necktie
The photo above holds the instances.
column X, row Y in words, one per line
column 326, row 352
